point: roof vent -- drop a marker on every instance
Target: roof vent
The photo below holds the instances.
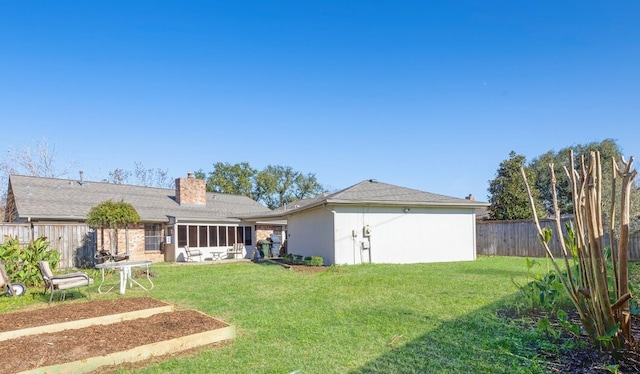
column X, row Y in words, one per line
column 373, row 180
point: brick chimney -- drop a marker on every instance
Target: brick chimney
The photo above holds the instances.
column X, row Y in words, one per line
column 191, row 191
column 470, row 198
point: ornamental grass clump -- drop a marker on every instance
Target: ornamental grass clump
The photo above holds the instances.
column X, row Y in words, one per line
column 599, row 290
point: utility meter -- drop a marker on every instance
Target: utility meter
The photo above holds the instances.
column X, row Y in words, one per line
column 366, row 230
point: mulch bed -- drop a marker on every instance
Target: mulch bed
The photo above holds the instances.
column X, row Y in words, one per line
column 35, row 351
column 580, row 360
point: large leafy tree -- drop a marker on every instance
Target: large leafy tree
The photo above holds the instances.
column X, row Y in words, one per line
column 236, row 179
column 273, row 186
column 508, row 196
column 610, row 154
column 608, row 150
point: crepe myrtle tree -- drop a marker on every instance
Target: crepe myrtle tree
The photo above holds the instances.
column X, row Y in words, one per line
column 112, row 216
column 594, row 271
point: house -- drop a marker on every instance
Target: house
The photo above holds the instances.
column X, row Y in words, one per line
column 170, row 219
column 374, row 222
column 370, row 222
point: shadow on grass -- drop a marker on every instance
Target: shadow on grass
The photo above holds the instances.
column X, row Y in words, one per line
column 479, row 342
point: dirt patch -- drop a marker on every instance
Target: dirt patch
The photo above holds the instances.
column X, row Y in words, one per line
column 299, row 268
column 35, row 351
column 308, row 269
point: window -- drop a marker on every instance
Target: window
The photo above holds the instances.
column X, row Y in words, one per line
column 152, row 236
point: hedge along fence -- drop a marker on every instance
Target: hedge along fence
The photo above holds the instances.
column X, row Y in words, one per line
column 75, row 242
column 519, row 238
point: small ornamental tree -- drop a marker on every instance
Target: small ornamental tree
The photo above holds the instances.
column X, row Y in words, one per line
column 599, row 286
column 112, row 216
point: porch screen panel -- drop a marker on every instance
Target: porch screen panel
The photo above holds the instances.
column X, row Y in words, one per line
column 182, row 235
column 213, row 236
column 193, row 236
column 231, row 230
column 247, row 235
column 240, row 235
column 202, row 236
column 222, row 236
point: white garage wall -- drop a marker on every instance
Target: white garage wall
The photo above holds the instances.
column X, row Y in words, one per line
column 420, row 235
column 311, row 234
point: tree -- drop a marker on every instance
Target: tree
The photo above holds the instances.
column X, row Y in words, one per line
column 143, row 177
column 608, row 150
column 152, row 177
column 599, row 289
column 119, row 176
column 307, row 186
column 279, row 185
column 273, row 186
column 38, row 161
column 112, row 216
column 237, row 179
column 508, row 198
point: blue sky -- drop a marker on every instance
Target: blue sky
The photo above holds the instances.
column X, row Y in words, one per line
column 431, row 95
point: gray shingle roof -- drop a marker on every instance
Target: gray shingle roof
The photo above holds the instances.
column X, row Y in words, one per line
column 65, row 199
column 372, row 192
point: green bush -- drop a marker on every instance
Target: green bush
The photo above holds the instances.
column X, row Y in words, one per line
column 544, row 292
column 292, row 259
column 22, row 263
column 316, row 261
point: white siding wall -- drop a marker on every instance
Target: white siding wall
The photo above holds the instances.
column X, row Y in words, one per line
column 311, row 234
column 421, row 235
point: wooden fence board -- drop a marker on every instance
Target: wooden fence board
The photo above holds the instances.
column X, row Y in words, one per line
column 75, row 242
column 520, row 239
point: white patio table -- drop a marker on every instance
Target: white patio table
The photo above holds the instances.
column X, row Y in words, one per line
column 125, row 274
column 217, row 255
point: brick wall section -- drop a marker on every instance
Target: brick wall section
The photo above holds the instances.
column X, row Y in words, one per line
column 136, row 244
column 191, row 191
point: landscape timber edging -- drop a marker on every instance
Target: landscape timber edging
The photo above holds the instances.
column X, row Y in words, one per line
column 142, row 352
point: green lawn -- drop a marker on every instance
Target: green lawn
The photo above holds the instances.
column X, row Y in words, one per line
column 421, row 318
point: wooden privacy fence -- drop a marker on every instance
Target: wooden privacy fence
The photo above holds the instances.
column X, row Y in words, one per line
column 519, row 238
column 75, row 242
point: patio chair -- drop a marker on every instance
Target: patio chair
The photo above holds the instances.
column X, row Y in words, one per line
column 191, row 253
column 62, row 282
column 237, row 249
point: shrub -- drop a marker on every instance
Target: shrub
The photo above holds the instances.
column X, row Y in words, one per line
column 22, row 264
column 316, row 261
